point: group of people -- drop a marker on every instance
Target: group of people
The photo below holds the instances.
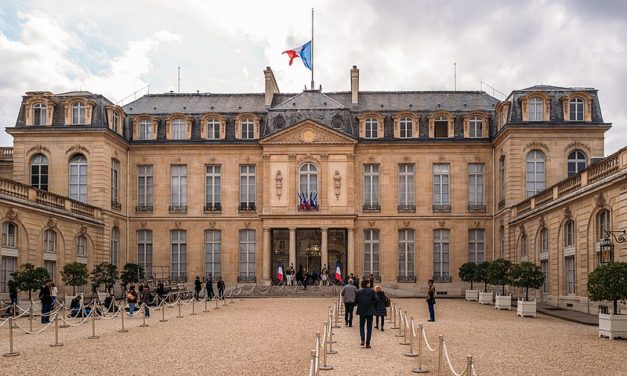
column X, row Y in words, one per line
column 307, row 277
column 209, row 287
column 48, row 296
column 372, row 303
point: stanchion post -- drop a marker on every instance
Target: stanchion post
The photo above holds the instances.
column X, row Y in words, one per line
column 143, row 324
column 32, row 313
column 216, row 300
column 180, row 316
column 337, row 317
column 395, row 313
column 400, row 324
column 419, row 369
column 163, row 303
column 56, row 332
column 324, row 366
column 440, row 352
column 406, row 330
column 231, row 296
column 411, row 352
column 93, row 325
column 193, row 307
column 11, row 352
column 468, row 365
column 65, row 324
column 121, row 311
column 14, row 313
column 206, row 300
column 330, row 340
column 223, row 300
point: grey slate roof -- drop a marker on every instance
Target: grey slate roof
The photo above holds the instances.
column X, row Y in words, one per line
column 196, row 103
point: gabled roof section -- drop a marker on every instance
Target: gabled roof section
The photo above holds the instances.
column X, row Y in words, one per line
column 311, row 100
column 308, row 132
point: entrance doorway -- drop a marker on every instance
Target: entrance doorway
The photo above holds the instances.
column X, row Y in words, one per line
column 338, row 252
column 280, row 240
column 308, row 250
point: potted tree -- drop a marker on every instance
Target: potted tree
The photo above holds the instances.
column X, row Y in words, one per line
column 74, row 274
column 30, row 278
column 131, row 273
column 485, row 297
column 104, row 274
column 468, row 273
column 526, row 275
column 608, row 282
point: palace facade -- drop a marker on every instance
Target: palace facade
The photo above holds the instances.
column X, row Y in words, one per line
column 405, row 185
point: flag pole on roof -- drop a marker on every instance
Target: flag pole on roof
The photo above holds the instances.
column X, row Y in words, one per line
column 312, row 48
column 305, row 53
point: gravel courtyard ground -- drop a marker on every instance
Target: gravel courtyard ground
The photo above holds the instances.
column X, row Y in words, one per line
column 274, row 337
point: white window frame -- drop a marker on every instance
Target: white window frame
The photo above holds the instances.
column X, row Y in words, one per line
column 475, row 183
column 536, row 109
column 8, row 265
column 544, row 265
column 476, row 245
column 9, row 234
column 115, row 245
column 81, row 246
column 371, row 128
column 576, row 109
column 145, row 130
column 502, row 242
column 39, row 161
column 502, row 187
column 213, row 129
column 372, row 184
column 213, row 253
column 578, row 160
column 178, row 255
column 77, row 181
column 213, row 186
column 144, row 250
column 406, row 253
column 441, row 253
column 372, row 255
column 571, row 271
column 247, row 254
column 406, row 184
column 248, row 129
column 40, row 113
column 248, row 185
column 116, row 121
column 475, row 127
column 535, row 172
column 440, row 121
column 50, row 240
column 179, row 129
column 524, row 247
column 78, row 113
column 406, row 127
column 144, row 185
column 308, row 179
column 115, row 181
column 441, row 184
column 178, row 186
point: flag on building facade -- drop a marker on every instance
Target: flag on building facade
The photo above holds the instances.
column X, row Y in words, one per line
column 279, row 273
column 303, row 52
column 338, row 272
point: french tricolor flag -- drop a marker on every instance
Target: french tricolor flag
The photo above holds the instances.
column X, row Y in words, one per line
column 279, row 273
column 304, row 52
column 338, row 272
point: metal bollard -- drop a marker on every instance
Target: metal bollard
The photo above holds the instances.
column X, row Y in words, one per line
column 419, row 369
column 65, row 324
column 14, row 312
column 93, row 326
column 206, row 300
column 223, row 301
column 163, row 303
column 468, row 365
column 11, row 352
column 193, row 307
column 395, row 313
column 324, row 366
column 411, row 352
column 440, row 352
column 400, row 324
column 122, row 312
column 405, row 331
column 143, row 324
column 216, row 300
column 56, row 332
column 180, row 316
column 32, row 313
column 330, row 340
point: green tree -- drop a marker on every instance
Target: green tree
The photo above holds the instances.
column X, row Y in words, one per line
column 104, row 273
column 527, row 275
column 132, row 273
column 608, row 282
column 30, row 278
column 74, row 274
column 482, row 274
column 499, row 273
column 468, row 273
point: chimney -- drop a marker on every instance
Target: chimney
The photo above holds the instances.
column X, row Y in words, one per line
column 354, row 85
column 271, row 86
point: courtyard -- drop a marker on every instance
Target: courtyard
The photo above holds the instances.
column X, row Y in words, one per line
column 273, row 336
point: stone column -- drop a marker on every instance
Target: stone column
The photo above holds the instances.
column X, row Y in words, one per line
column 325, row 248
column 266, row 255
column 293, row 247
column 351, row 252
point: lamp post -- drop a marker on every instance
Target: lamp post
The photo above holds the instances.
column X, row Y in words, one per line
column 607, row 244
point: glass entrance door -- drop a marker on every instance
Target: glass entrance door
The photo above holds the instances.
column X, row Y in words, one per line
column 308, row 250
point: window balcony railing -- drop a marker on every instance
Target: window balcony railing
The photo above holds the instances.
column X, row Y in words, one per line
column 143, row 209
column 406, row 279
column 477, row 208
column 247, row 279
column 442, row 278
column 371, row 208
column 247, row 207
column 406, row 208
column 182, row 209
column 441, row 208
column 213, row 208
column 116, row 205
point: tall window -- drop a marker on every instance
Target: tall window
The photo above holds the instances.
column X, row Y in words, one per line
column 576, row 109
column 536, row 109
column 475, row 183
column 78, row 178
column 116, row 122
column 570, row 274
column 50, row 239
column 476, row 127
column 476, row 245
column 569, row 234
column 371, row 185
column 406, row 244
column 371, row 252
column 308, row 175
column 247, row 255
column 78, row 113
column 441, row 254
column 8, row 266
column 9, row 234
column 51, row 267
column 213, row 186
column 544, row 240
column 441, row 184
column 178, row 185
column 576, row 162
column 535, row 172
column 115, row 181
column 544, row 264
column 213, row 129
column 502, row 179
column 371, row 128
column 406, row 185
column 248, row 129
column 213, row 243
column 179, row 129
column 115, row 245
column 39, row 114
column 602, row 225
column 441, row 127
column 178, row 265
column 39, row 172
column 247, row 187
column 81, row 246
column 524, row 246
column 144, row 186
column 502, row 242
column 145, row 130
column 144, row 250
column 406, row 124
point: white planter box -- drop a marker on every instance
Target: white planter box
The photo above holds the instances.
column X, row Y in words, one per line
column 526, row 309
column 485, row 297
column 472, row 295
column 503, row 302
column 612, row 326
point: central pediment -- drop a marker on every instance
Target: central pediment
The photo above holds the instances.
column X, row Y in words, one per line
column 308, row 132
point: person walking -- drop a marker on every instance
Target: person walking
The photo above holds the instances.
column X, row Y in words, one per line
column 380, row 307
column 431, row 301
column 145, row 299
column 221, row 288
column 13, row 296
column 366, row 300
column 197, row 288
column 348, row 298
column 54, row 293
column 46, row 302
column 131, row 298
column 209, row 286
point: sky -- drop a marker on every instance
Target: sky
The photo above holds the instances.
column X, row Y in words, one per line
column 126, row 48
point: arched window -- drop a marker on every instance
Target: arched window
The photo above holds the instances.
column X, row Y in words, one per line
column 536, row 109
column 178, row 129
column 576, row 109
column 279, row 122
column 78, row 178
column 371, row 128
column 50, row 239
column 308, row 175
column 39, row 172
column 569, row 234
column 81, row 246
column 544, row 240
column 524, row 246
column 248, row 129
column 535, row 172
column 475, row 127
column 145, row 130
column 441, row 127
column 115, row 245
column 78, row 113
column 39, row 114
column 337, row 122
column 577, row 161
column 9, row 234
column 213, row 129
column 406, row 126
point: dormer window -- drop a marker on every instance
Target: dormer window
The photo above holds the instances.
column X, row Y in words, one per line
column 116, row 122
column 178, row 129
column 337, row 122
column 145, row 130
column 441, row 127
column 371, row 128
column 406, row 127
column 476, row 127
column 576, row 109
column 536, row 109
column 213, row 129
column 39, row 114
column 78, row 113
column 248, row 129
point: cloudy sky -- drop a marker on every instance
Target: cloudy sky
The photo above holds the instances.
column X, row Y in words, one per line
column 119, row 48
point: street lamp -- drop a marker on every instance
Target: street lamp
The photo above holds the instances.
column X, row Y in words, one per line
column 607, row 245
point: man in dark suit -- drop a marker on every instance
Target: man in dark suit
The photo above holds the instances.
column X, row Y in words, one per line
column 46, row 302
column 365, row 300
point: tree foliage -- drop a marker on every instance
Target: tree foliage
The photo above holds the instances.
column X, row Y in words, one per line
column 482, row 274
column 527, row 275
column 30, row 278
column 608, row 282
column 132, row 273
column 468, row 273
column 104, row 273
column 499, row 273
column 74, row 274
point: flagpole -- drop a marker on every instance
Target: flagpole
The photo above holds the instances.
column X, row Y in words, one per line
column 312, row 48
